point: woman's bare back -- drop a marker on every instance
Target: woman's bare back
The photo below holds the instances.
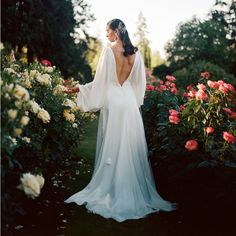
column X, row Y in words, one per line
column 123, row 64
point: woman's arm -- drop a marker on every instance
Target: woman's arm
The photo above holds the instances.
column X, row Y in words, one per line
column 72, row 90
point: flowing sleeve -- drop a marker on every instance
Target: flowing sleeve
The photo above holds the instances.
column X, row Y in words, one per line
column 91, row 96
column 138, row 81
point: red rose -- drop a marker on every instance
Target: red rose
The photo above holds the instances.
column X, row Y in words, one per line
column 46, row 62
column 191, row 145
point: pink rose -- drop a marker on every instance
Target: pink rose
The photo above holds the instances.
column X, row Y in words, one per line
column 189, row 87
column 201, row 95
column 174, row 119
column 150, row 87
column 228, row 137
column 168, row 83
column 174, row 90
column 227, row 110
column 192, row 93
column 161, row 81
column 205, row 75
column 171, row 78
column 162, row 87
column 223, row 89
column 209, row 130
column 191, row 145
column 173, row 112
column 230, row 87
column 201, row 87
column 211, row 84
column 182, row 107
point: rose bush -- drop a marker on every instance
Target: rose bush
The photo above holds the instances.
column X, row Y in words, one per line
column 41, row 128
column 199, row 121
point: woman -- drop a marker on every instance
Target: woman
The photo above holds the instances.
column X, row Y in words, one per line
column 122, row 186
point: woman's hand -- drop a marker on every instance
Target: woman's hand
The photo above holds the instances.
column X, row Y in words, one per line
column 72, row 90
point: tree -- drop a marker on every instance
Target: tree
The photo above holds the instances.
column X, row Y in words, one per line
column 212, row 40
column 142, row 41
column 49, row 29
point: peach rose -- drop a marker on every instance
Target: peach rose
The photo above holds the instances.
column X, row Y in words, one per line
column 191, row 145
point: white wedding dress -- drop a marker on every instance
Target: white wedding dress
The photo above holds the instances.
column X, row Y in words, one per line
column 122, row 186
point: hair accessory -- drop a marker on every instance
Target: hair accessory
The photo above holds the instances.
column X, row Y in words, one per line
column 121, row 28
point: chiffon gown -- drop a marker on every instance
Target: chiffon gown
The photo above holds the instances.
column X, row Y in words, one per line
column 122, row 185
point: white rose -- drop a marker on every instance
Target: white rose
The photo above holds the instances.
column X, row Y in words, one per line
column 33, row 73
column 48, row 69
column 1, row 46
column 26, row 139
column 9, row 87
column 14, row 66
column 10, row 71
column 40, row 180
column 34, row 106
column 75, row 125
column 31, row 185
column 69, row 103
column 12, row 113
column 69, row 116
column 43, row 115
column 59, row 89
column 13, row 140
column 44, row 79
column 18, row 131
column 7, row 96
column 24, row 120
column 21, row 93
column 18, row 104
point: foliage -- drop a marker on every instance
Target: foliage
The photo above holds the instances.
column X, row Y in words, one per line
column 190, row 74
column 49, row 29
column 210, row 40
column 161, row 70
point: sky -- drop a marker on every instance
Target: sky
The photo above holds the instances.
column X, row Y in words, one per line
column 162, row 17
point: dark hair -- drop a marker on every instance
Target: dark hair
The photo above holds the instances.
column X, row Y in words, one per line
column 117, row 24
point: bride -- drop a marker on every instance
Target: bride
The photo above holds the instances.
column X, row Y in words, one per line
column 122, row 185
